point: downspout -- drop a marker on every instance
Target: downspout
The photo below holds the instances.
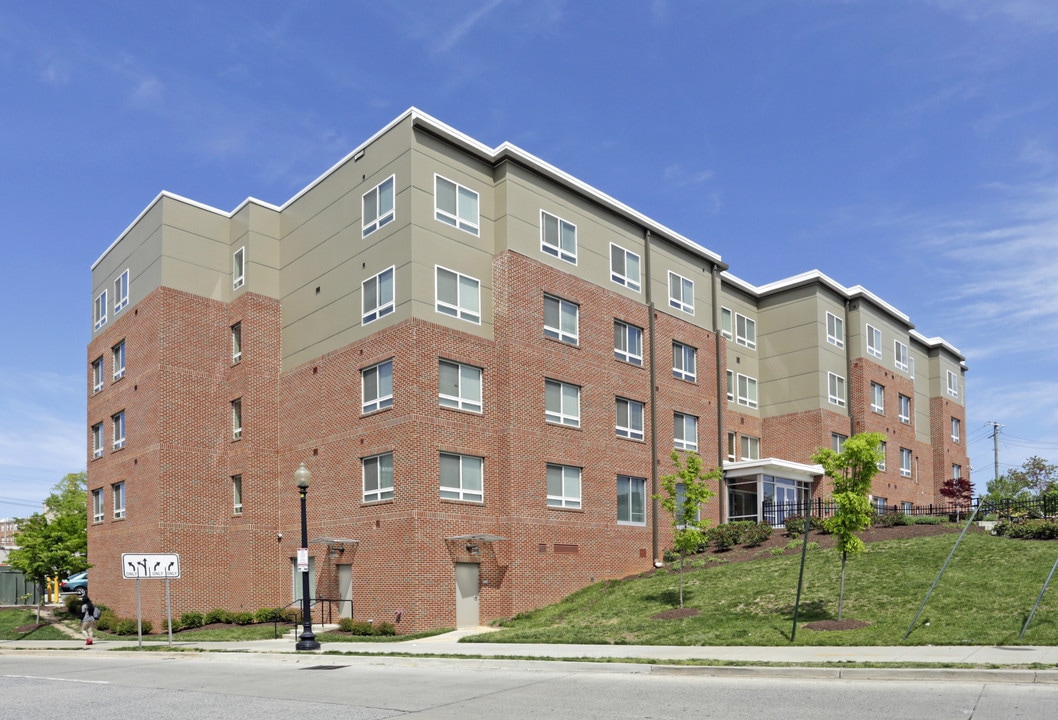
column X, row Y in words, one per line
column 721, row 395
column 654, row 509
column 848, row 375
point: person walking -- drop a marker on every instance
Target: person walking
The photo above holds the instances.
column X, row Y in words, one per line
column 89, row 618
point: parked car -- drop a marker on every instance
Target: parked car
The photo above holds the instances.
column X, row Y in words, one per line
column 75, row 584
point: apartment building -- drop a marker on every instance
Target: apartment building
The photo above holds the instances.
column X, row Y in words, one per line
column 485, row 363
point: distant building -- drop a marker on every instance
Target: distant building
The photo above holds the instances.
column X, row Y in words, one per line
column 8, row 528
column 485, row 363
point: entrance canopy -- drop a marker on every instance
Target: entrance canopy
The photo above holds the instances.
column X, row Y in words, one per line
column 774, row 467
column 768, row 490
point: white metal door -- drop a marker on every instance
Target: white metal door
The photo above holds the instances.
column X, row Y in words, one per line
column 467, row 595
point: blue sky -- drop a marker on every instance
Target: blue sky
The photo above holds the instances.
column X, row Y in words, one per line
column 906, row 145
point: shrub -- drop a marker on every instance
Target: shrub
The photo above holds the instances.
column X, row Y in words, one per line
column 242, row 618
column 1031, row 530
column 267, row 615
column 670, row 556
column 777, row 550
column 756, row 534
column 356, row 627
column 191, row 620
column 927, row 520
column 385, row 628
column 291, row 615
column 107, row 619
column 73, row 605
column 888, row 520
column 218, row 616
column 725, row 537
column 795, row 525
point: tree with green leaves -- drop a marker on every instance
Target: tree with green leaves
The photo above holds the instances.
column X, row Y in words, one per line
column 685, row 491
column 1036, row 474
column 55, row 542
column 851, row 471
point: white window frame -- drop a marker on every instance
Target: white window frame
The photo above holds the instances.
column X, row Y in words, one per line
column 732, row 446
column 372, row 378
column 121, row 291
column 98, row 507
column 97, row 440
column 835, row 389
column 375, row 468
column 877, row 398
column 236, row 494
column 118, row 356
column 632, row 425
column 627, row 342
column 882, row 449
column 747, row 390
column 727, row 323
column 900, row 356
column 97, row 374
column 562, row 308
column 563, row 415
column 238, row 268
column 903, row 413
column 835, row 330
column 905, row 462
column 636, row 487
column 681, row 293
column 746, row 331
column 373, row 201
column 462, row 491
column 236, row 343
column 956, row 471
column 374, row 289
column 911, row 366
column 559, row 247
column 118, row 491
column 956, row 430
column 464, row 397
column 236, row 419
column 623, row 277
column 458, row 219
column 462, row 308
column 953, row 384
column 874, row 341
column 749, row 448
column 118, row 427
column 680, row 354
column 99, row 310
column 837, row 441
column 566, row 480
column 684, row 431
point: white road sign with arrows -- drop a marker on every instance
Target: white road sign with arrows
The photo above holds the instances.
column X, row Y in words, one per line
column 150, row 565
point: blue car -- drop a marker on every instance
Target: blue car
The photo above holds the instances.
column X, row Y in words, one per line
column 76, row 584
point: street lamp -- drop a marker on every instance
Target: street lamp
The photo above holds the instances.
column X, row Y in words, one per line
column 308, row 640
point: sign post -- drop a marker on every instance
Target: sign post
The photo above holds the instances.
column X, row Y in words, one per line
column 149, row 566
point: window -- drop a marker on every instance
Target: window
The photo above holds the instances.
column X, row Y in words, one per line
column 236, row 494
column 836, row 389
column 236, row 342
column 907, row 507
column 563, row 486
column 377, row 386
column 236, row 419
column 456, row 205
column 747, row 391
column 837, row 442
column 629, row 419
column 684, row 432
column 461, row 477
column 97, row 505
column 956, row 429
column 459, row 386
column 118, row 420
column 118, row 352
column 683, row 362
column 904, row 414
column 835, row 330
column 97, row 440
column 458, row 295
column 881, row 505
column 238, row 268
column 624, row 267
column 750, row 448
column 874, row 341
column 561, row 319
column 378, row 206
column 727, row 323
column 881, row 462
column 97, row 374
column 956, row 471
column 631, row 500
column 121, row 291
column 681, row 293
column 377, row 296
column 745, row 331
column 730, row 385
column 118, row 491
column 905, row 462
column 877, row 398
column 911, row 367
column 681, row 502
column 732, row 445
column 562, row 403
column 558, row 237
column 900, row 355
column 99, row 310
column 953, row 384
column 627, row 343
column 378, row 477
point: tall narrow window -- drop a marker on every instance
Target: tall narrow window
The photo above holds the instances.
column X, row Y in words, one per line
column 750, row 448
column 627, row 342
column 956, row 471
column 629, row 419
column 911, row 366
column 837, row 442
column 378, row 477
column 118, row 420
column 732, row 445
column 561, row 320
column 684, row 431
column 681, row 293
column 900, row 355
column 730, row 375
column 747, row 391
column 562, row 402
column 956, row 429
column 236, row 494
column 874, row 341
column 881, row 462
column 118, row 353
column 459, row 386
column 462, row 477
column 953, row 384
column 97, row 440
column 563, row 486
column 236, row 342
column 558, row 237
column 456, row 205
column 904, row 411
column 458, row 295
column 727, row 323
column 624, row 267
column 877, row 398
column 99, row 310
column 118, row 491
column 377, row 296
column 121, row 291
column 683, row 361
column 97, row 374
column 238, row 268
column 236, row 419
column 378, row 206
column 745, row 331
column 631, row 500
column 377, row 384
column 905, row 462
column 836, row 389
column 97, row 505
column 835, row 330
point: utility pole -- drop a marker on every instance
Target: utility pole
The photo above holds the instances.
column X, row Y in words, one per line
column 995, row 446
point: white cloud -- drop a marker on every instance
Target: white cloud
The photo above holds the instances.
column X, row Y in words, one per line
column 456, row 34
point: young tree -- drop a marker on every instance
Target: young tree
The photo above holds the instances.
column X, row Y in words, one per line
column 54, row 542
column 686, row 491
column 851, row 471
column 1036, row 474
column 960, row 491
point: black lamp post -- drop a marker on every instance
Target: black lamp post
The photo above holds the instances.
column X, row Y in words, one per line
column 308, row 640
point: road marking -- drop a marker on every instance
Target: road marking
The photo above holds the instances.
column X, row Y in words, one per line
column 39, row 677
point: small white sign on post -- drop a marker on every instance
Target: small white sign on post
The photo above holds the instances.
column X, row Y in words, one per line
column 303, row 559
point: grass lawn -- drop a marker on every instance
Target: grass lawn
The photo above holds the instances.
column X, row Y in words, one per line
column 984, row 598
column 14, row 620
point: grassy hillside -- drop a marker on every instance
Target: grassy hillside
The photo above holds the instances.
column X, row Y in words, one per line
column 984, row 598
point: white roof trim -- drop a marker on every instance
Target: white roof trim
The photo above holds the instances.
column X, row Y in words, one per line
column 937, row 342
column 773, row 466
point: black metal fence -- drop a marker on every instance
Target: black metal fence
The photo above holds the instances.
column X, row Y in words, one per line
column 775, row 514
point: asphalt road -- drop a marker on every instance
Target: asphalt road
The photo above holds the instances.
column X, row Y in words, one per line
column 159, row 687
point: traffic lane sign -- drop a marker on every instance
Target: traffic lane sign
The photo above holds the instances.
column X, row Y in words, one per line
column 150, row 565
